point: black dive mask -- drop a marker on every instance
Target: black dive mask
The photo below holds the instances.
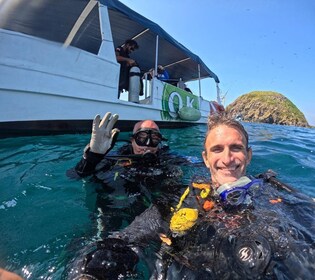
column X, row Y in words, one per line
column 148, row 137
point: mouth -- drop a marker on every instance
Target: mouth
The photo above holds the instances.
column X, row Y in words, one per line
column 229, row 171
column 228, row 168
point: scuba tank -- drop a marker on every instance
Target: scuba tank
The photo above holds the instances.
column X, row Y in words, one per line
column 134, row 84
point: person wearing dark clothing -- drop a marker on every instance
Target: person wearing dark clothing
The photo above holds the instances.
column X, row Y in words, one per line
column 128, row 181
column 122, row 56
column 231, row 226
column 249, row 229
column 132, row 177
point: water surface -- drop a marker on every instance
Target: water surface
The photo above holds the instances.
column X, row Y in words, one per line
column 42, row 211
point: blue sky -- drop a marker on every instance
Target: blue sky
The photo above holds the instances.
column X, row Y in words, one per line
column 250, row 44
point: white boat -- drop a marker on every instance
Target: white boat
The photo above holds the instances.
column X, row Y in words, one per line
column 58, row 68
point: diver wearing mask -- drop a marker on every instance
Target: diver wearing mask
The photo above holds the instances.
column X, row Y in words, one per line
column 130, row 180
column 133, row 176
column 146, row 138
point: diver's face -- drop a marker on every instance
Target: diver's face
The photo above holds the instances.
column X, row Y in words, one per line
column 226, row 155
column 144, row 136
column 140, row 150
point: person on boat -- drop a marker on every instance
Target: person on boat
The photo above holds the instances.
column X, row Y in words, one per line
column 122, row 56
column 162, row 73
column 232, row 226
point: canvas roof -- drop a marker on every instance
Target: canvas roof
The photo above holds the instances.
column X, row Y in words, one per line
column 54, row 19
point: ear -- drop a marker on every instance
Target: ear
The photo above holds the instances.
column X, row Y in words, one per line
column 205, row 160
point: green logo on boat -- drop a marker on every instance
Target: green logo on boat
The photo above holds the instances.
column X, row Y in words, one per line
column 178, row 104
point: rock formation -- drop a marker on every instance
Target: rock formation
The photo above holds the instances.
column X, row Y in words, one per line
column 266, row 107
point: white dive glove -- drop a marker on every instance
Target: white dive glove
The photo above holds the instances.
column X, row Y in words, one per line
column 103, row 136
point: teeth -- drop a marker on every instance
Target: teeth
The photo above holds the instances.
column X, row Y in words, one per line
column 228, row 169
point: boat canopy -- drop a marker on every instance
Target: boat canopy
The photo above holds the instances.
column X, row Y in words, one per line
column 179, row 61
column 55, row 20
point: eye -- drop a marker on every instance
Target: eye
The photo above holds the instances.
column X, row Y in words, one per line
column 237, row 148
column 216, row 149
column 155, row 136
column 142, row 134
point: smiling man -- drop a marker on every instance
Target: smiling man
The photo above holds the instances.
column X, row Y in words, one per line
column 226, row 153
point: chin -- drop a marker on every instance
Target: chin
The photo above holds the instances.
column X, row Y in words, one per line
column 227, row 178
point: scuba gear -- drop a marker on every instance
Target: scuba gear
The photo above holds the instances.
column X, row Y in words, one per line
column 110, row 259
column 146, row 159
column 252, row 253
column 183, row 220
column 103, row 136
column 235, row 193
column 256, row 242
column 148, row 137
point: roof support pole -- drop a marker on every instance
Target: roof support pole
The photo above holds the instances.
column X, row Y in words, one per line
column 218, row 94
column 199, row 80
column 156, row 64
column 90, row 5
column 156, row 54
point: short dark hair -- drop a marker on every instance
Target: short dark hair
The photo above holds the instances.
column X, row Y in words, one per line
column 222, row 119
column 133, row 43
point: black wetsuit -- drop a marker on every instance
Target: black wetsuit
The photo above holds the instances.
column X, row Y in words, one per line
column 130, row 183
column 272, row 236
column 124, row 69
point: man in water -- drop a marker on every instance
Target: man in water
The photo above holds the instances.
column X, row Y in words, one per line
column 132, row 177
column 236, row 226
column 146, row 138
column 232, row 226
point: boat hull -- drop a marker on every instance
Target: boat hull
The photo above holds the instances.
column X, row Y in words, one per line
column 45, row 114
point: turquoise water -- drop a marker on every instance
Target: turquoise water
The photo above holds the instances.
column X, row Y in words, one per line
column 42, row 211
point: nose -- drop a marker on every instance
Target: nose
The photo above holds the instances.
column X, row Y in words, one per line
column 227, row 156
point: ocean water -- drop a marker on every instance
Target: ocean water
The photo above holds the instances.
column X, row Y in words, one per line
column 42, row 210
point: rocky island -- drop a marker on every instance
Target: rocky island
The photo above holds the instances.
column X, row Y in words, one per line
column 266, row 107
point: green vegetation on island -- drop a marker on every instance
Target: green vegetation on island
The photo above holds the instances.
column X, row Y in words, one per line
column 266, row 107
